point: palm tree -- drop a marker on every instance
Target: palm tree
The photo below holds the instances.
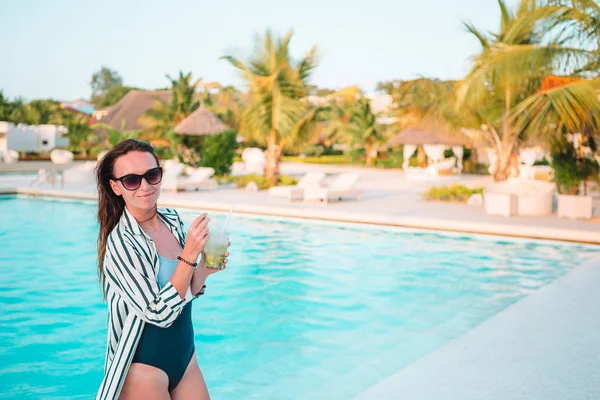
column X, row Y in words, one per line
column 504, row 95
column 163, row 116
column 357, row 126
column 421, row 101
column 277, row 113
column 228, row 105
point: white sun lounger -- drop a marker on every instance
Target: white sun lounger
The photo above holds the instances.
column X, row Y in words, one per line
column 342, row 188
column 199, row 179
column 296, row 192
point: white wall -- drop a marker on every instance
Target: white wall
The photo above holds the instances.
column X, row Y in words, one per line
column 50, row 136
column 31, row 137
column 20, row 137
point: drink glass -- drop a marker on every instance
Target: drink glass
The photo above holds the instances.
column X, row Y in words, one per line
column 215, row 249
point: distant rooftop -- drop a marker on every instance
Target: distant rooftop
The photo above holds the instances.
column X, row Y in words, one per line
column 126, row 112
column 80, row 105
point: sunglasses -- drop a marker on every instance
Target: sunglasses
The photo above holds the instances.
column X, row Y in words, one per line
column 134, row 181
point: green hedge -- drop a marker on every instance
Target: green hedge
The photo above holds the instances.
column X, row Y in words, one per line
column 321, row 160
column 452, row 193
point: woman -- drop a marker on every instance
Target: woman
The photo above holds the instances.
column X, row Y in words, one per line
column 149, row 273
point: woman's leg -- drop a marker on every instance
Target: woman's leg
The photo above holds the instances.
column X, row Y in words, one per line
column 192, row 385
column 145, row 382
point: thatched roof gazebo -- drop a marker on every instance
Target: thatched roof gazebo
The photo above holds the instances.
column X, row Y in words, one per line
column 434, row 142
column 201, row 123
column 416, row 136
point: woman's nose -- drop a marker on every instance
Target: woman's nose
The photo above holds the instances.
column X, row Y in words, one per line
column 144, row 185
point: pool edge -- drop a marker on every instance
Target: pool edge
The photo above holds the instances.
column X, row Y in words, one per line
column 521, row 231
column 534, row 349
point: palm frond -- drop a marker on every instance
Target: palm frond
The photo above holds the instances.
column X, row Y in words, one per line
column 574, row 106
column 469, row 27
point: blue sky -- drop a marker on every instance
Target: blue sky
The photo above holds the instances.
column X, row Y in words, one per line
column 51, row 48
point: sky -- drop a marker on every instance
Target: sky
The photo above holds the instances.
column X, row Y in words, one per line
column 50, row 49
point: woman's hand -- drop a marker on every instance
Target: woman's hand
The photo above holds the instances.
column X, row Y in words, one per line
column 197, row 237
column 210, row 271
column 201, row 273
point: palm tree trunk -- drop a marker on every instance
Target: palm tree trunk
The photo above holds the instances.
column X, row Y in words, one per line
column 505, row 162
column 272, row 158
column 506, row 128
column 504, row 149
column 369, row 158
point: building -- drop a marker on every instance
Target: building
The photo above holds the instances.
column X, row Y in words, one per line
column 79, row 106
column 125, row 114
column 38, row 138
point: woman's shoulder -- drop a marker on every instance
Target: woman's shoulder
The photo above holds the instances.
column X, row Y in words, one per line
column 170, row 213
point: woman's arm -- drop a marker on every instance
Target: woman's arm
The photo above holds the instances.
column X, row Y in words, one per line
column 198, row 279
column 129, row 273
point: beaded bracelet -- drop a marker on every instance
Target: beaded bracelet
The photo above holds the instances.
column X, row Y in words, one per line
column 191, row 264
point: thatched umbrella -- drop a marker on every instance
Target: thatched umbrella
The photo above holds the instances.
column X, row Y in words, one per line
column 433, row 141
column 201, row 122
column 418, row 136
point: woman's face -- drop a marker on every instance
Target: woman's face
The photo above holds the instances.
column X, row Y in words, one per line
column 136, row 162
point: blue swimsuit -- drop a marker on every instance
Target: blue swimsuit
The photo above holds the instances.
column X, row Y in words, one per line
column 169, row 349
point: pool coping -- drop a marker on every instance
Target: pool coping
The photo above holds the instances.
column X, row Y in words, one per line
column 325, row 214
column 543, row 347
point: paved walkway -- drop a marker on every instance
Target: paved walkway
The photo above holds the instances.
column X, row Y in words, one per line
column 389, row 199
column 544, row 347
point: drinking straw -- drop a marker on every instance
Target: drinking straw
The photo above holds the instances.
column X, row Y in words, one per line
column 227, row 220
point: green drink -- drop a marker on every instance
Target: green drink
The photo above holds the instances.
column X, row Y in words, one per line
column 215, row 249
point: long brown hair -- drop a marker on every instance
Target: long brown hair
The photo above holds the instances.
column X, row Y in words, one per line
column 111, row 206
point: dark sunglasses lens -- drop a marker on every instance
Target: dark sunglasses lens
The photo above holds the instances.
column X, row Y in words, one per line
column 131, row 182
column 154, row 176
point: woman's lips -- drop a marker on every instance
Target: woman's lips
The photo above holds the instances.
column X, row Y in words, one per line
column 145, row 195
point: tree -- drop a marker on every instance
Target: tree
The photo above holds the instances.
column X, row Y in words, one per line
column 81, row 136
column 387, row 87
column 504, row 92
column 277, row 113
column 228, row 105
column 102, row 81
column 34, row 113
column 162, row 117
column 357, row 125
column 10, row 110
column 422, row 101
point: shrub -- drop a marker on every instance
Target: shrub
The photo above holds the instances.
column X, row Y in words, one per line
column 453, row 193
column 470, row 167
column 314, row 151
column 341, row 159
column 330, row 151
column 215, row 151
column 390, row 160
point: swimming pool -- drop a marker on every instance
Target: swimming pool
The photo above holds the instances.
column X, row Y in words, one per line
column 306, row 310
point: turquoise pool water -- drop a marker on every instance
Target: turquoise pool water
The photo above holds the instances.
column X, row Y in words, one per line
column 306, row 310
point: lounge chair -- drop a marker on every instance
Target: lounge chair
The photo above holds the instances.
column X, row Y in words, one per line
column 59, row 156
column 296, row 192
column 45, row 176
column 82, row 173
column 342, row 188
column 9, row 156
column 200, row 178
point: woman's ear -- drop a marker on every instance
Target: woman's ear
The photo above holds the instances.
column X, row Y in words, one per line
column 115, row 187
